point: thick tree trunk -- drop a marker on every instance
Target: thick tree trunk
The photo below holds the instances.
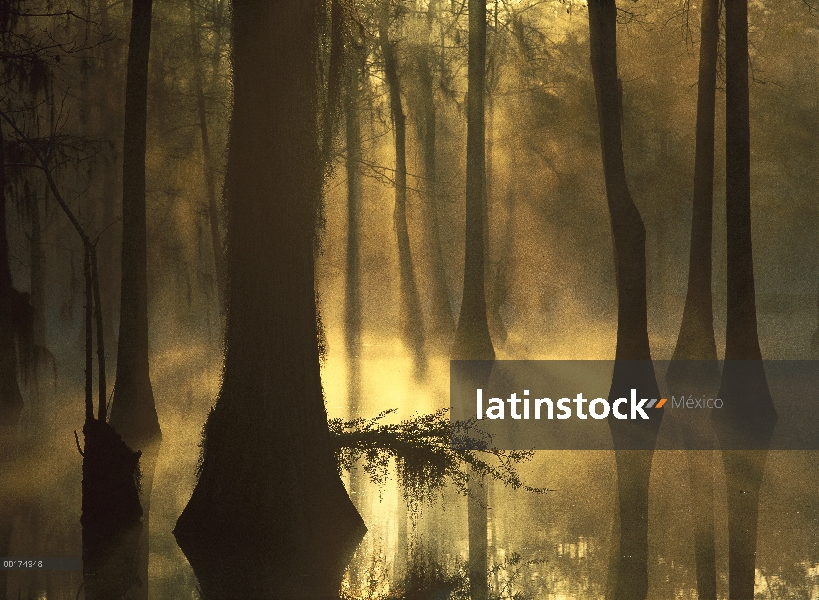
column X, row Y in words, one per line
column 694, row 365
column 442, row 323
column 412, row 323
column 245, row 532
column 210, row 183
column 745, row 426
column 633, row 441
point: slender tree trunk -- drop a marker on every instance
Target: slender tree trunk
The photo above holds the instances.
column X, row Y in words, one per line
column 696, row 337
column 210, row 183
column 496, row 325
column 352, row 292
column 442, row 323
column 745, row 426
column 109, row 246
column 248, row 534
column 633, row 441
column 412, row 323
column 352, row 296
column 694, row 365
column 472, row 340
column 133, row 413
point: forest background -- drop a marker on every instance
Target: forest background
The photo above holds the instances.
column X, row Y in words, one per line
column 549, row 274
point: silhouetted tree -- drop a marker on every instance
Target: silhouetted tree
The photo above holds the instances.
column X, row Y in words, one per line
column 745, row 426
column 133, row 412
column 354, row 79
column 694, row 365
column 352, row 291
column 411, row 323
column 442, row 323
column 269, row 517
column 472, row 340
column 633, row 440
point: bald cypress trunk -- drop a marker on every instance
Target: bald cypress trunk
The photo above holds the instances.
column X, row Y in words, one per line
column 269, row 517
column 696, row 337
column 472, row 340
column 633, row 440
column 411, row 323
column 442, row 323
column 746, row 424
column 133, row 413
column 352, row 290
column 694, row 365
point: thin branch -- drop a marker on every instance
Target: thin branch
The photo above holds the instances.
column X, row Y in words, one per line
column 51, row 183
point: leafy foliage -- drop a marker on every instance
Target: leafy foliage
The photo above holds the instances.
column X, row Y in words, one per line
column 429, row 451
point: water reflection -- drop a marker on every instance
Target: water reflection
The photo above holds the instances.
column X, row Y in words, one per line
column 553, row 546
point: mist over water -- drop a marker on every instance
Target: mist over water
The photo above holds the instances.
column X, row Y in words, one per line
column 550, row 274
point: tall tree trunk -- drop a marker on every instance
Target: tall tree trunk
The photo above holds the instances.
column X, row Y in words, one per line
column 248, row 534
column 633, row 440
column 412, row 323
column 11, row 401
column 745, row 426
column 694, row 365
column 442, row 323
column 497, row 327
column 110, row 121
column 210, row 183
column 133, row 413
column 472, row 340
column 352, row 291
column 696, row 337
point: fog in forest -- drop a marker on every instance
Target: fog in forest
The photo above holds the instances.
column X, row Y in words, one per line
column 378, row 212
